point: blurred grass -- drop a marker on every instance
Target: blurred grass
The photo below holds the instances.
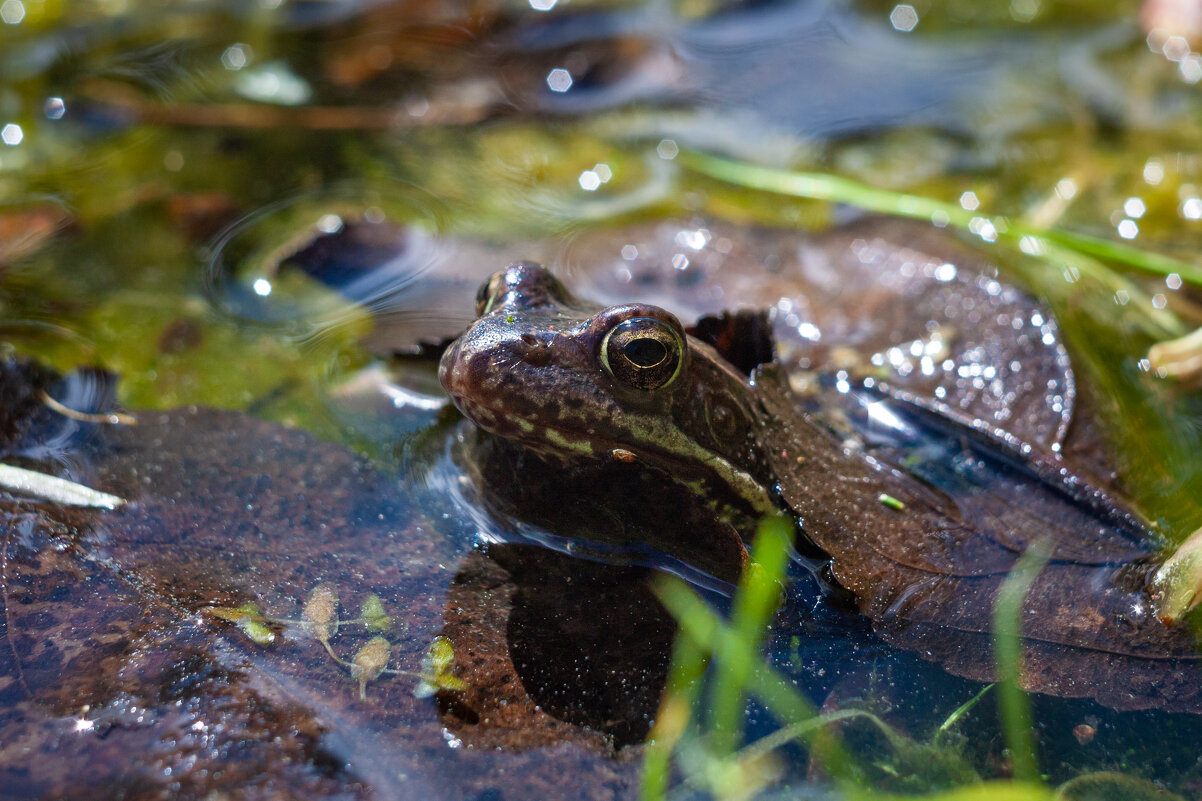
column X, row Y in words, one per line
column 688, row 754
column 754, row 605
column 836, row 189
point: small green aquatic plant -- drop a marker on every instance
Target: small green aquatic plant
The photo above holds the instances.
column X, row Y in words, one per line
column 319, row 620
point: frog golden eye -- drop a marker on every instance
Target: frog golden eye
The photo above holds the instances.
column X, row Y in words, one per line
column 643, row 352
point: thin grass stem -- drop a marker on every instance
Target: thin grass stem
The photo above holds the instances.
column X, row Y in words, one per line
column 755, row 602
column 1014, row 706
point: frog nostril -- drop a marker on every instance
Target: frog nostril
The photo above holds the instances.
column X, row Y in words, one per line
column 537, row 351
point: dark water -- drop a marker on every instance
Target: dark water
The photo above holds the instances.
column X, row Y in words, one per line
column 173, row 181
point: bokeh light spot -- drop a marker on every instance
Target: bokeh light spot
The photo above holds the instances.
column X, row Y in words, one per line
column 12, row 12
column 11, row 134
column 236, row 56
column 903, row 17
column 1153, row 172
column 559, row 80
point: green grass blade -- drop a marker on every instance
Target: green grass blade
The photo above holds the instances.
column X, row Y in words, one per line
column 755, row 602
column 1013, row 703
column 823, row 186
column 962, row 710
column 674, row 715
column 1120, row 253
column 987, row 791
column 766, row 684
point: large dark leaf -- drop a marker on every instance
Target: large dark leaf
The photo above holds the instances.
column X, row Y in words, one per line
column 113, row 674
column 928, row 574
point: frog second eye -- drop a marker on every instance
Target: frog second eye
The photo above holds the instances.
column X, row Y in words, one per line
column 487, row 292
column 642, row 352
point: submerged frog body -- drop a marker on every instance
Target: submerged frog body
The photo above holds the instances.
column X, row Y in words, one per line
column 922, row 519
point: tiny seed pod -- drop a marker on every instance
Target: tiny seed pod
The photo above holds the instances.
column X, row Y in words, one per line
column 369, row 662
column 320, row 609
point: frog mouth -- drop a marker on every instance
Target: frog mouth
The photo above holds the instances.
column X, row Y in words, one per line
column 688, row 464
column 545, row 439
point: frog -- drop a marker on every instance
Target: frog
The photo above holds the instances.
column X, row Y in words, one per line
column 920, row 523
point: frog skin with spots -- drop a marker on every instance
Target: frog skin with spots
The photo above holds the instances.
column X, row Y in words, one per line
column 921, row 527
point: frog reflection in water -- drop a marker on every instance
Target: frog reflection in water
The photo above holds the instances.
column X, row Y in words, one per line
column 923, row 550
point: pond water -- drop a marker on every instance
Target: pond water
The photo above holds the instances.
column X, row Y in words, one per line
column 253, row 227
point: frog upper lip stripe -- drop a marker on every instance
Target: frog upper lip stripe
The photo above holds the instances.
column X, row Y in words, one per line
column 536, row 436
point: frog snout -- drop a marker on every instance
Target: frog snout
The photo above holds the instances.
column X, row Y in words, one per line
column 475, row 367
column 454, row 373
column 479, row 366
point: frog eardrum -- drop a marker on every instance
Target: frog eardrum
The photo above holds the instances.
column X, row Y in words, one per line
column 642, row 352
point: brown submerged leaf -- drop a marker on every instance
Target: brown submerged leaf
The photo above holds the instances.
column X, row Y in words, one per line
column 118, row 668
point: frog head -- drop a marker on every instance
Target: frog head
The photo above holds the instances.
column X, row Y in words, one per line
column 575, row 380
